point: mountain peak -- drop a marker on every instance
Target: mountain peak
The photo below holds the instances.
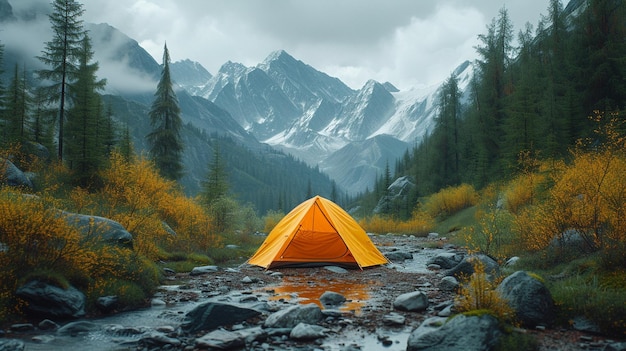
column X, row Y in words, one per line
column 278, row 55
column 232, row 68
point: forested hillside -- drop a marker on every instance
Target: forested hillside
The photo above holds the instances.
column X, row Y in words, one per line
column 533, row 94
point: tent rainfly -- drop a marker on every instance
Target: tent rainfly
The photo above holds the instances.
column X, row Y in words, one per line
column 317, row 232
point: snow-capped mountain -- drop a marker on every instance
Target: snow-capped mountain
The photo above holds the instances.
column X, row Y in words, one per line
column 350, row 134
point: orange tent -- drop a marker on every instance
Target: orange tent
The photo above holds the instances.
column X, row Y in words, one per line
column 317, row 232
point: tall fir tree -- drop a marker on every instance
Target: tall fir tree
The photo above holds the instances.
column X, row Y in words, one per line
column 215, row 185
column 85, row 151
column 165, row 141
column 446, row 135
column 61, row 55
column 3, row 122
column 17, row 105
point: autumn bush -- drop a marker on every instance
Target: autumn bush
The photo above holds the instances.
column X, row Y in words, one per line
column 588, row 195
column 154, row 209
column 419, row 224
column 479, row 294
column 450, row 200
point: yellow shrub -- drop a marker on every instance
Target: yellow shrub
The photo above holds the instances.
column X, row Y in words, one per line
column 145, row 203
column 588, row 195
column 419, row 224
column 479, row 294
column 450, row 200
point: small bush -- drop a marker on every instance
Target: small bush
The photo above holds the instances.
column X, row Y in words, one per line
column 271, row 219
column 479, row 294
column 450, row 200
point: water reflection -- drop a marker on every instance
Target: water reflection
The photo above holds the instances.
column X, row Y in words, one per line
column 305, row 290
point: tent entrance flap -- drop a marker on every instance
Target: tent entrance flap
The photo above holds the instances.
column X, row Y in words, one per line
column 309, row 245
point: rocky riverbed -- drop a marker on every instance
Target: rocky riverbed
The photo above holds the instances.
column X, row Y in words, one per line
column 366, row 320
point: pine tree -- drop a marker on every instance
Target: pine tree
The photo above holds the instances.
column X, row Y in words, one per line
column 3, row 122
column 85, row 151
column 446, row 135
column 165, row 142
column 61, row 54
column 17, row 108
column 216, row 184
column 42, row 126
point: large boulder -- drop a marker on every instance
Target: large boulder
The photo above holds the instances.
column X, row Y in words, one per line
column 468, row 333
column 467, row 266
column 294, row 315
column 446, row 260
column 212, row 315
column 104, row 229
column 529, row 297
column 13, row 176
column 46, row 300
column 12, row 345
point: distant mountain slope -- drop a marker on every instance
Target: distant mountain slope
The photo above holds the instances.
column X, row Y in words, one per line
column 291, row 106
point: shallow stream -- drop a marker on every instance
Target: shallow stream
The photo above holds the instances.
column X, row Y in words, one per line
column 296, row 288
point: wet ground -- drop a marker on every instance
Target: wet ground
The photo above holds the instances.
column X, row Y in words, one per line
column 370, row 294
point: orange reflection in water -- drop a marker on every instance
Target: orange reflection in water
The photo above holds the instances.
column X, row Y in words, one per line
column 309, row 291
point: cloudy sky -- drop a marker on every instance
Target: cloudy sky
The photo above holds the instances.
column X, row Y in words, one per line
column 406, row 42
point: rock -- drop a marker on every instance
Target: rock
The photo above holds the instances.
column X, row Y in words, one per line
column 248, row 280
column 572, row 241
column 529, row 297
column 220, row 339
column 446, row 260
column 511, row 261
column 203, row 270
column 615, row 346
column 583, row 324
column 107, row 230
column 448, row 283
column 399, row 255
column 459, row 333
column 75, row 328
column 157, row 303
column 294, row 315
column 413, row 302
column 13, row 176
column 43, row 339
column 11, row 345
column 433, row 236
column 466, row 267
column 394, row 319
column 332, row 299
column 160, row 340
column 107, row 303
column 47, row 324
column 169, row 271
column 336, row 269
column 304, row 331
column 47, row 300
column 22, row 327
column 212, row 315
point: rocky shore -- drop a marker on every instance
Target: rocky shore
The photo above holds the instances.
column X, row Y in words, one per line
column 324, row 308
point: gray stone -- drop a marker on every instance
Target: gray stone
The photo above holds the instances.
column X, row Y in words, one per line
column 22, row 327
column 336, row 269
column 47, row 324
column 78, row 327
column 413, row 302
column 105, row 229
column 448, row 283
column 221, row 339
column 394, row 319
column 294, row 315
column 157, row 339
column 304, row 331
column 475, row 333
column 11, row 345
column 446, row 260
column 203, row 270
column 48, row 300
column 331, row 299
column 13, row 176
column 107, row 303
column 615, row 346
column 396, row 256
column 529, row 297
column 511, row 261
column 465, row 268
column 212, row 315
